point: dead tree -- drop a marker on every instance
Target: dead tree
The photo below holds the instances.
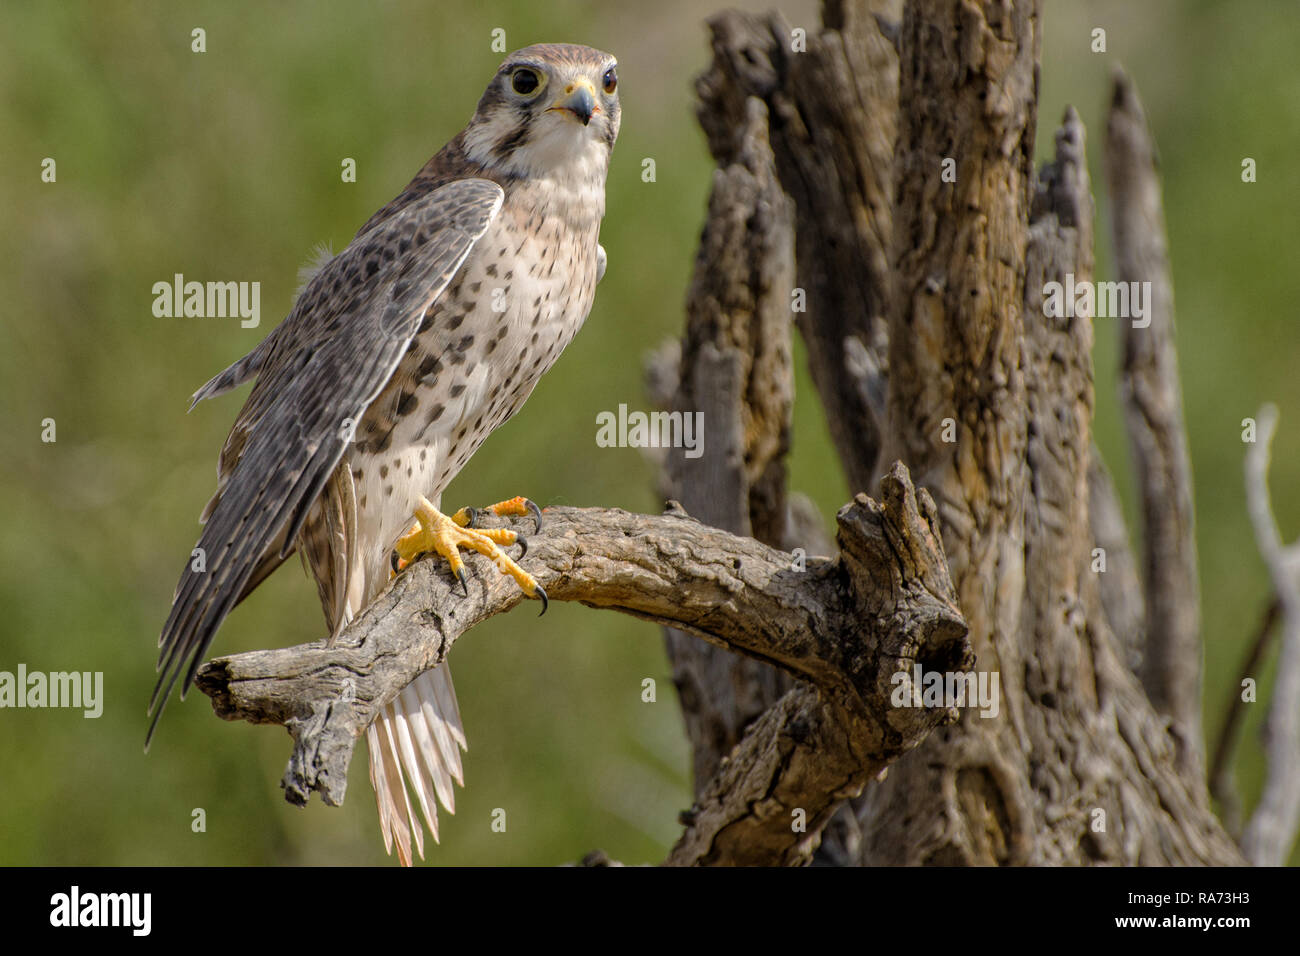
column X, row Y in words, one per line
column 875, row 190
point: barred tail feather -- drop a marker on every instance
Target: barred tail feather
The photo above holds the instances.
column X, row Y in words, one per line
column 416, row 741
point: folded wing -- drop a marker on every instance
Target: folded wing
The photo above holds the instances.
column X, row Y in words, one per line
column 327, row 362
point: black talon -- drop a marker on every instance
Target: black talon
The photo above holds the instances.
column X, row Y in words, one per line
column 464, row 584
column 531, row 505
column 473, row 516
column 540, row 594
column 523, row 545
column 393, row 559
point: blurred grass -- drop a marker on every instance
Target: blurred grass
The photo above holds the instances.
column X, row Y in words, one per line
column 225, row 165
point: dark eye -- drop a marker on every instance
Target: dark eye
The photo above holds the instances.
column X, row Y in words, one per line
column 524, row 81
column 611, row 80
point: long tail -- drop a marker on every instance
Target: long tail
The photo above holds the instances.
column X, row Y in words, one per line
column 415, row 742
column 417, row 739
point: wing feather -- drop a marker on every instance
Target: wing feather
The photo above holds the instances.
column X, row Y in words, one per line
column 329, row 360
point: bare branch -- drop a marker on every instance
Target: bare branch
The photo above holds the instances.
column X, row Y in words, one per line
column 833, row 115
column 1269, row 835
column 1222, row 784
column 846, row 626
column 785, row 779
column 1120, row 587
column 734, row 371
column 1152, row 397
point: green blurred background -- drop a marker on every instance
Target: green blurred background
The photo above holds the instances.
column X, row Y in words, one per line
column 225, row 165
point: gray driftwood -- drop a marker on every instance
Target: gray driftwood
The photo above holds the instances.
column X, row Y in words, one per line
column 832, row 112
column 1153, row 407
column 845, row 626
column 1271, row 831
column 734, row 366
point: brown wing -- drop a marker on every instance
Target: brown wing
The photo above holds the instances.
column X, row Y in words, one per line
column 327, row 362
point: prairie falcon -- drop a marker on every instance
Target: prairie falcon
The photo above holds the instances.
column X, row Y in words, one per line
column 399, row 357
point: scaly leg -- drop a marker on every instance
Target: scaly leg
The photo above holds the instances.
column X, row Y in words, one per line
column 518, row 506
column 445, row 536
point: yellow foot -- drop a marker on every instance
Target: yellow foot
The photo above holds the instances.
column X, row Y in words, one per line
column 517, row 506
column 445, row 536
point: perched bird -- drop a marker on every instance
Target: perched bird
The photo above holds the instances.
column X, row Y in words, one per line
column 399, row 357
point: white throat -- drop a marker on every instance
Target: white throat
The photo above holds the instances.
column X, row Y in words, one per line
column 561, row 152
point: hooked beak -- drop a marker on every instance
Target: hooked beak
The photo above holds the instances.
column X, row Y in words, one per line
column 580, row 100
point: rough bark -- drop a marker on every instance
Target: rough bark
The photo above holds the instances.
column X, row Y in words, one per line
column 845, row 626
column 1077, row 768
column 833, row 110
column 1153, row 405
column 1120, row 584
column 734, row 370
column 833, row 130
column 957, row 400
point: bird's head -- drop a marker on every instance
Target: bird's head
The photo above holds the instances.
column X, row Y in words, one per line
column 550, row 111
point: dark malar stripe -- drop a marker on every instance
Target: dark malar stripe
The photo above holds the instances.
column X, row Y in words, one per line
column 512, row 140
